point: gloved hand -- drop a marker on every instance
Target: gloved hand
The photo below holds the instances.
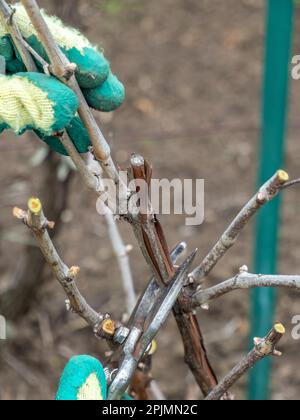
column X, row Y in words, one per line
column 83, row 380
column 101, row 88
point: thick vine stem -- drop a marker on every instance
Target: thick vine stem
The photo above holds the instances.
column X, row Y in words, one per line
column 153, row 244
column 36, row 221
column 267, row 193
column 244, row 281
column 147, row 228
column 262, row 348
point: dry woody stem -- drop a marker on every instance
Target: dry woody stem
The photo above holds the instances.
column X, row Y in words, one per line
column 245, row 281
column 263, row 348
column 267, row 193
column 153, row 244
column 36, row 221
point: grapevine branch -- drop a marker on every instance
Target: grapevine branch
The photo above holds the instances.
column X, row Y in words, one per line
column 291, row 184
column 120, row 249
column 36, row 221
column 121, row 252
column 152, row 241
column 26, row 281
column 262, row 348
column 244, row 281
column 267, row 193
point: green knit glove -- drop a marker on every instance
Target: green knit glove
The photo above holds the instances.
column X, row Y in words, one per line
column 34, row 101
column 102, row 90
column 83, row 380
column 76, row 131
column 31, row 101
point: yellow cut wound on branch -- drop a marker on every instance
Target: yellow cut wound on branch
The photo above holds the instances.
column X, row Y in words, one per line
column 109, row 327
column 35, row 205
column 283, row 176
column 280, row 329
column 153, row 348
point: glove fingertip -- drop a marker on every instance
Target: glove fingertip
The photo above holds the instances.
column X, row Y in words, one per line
column 108, row 97
column 78, row 379
column 92, row 67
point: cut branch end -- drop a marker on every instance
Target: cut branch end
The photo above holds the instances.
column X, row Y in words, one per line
column 280, row 329
column 283, row 176
column 19, row 213
column 35, row 206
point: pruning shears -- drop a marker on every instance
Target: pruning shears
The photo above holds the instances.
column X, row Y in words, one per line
column 151, row 312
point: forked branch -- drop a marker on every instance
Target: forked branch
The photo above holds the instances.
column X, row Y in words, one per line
column 262, row 348
column 36, row 221
column 267, row 193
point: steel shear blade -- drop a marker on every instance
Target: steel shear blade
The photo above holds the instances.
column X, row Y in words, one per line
column 140, row 339
column 152, row 293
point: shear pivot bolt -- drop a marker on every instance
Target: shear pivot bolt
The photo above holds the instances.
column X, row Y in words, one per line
column 121, row 335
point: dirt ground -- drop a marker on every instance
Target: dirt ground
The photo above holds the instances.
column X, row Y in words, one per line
column 192, row 69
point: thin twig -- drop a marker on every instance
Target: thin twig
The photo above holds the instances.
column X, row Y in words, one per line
column 38, row 224
column 87, row 176
column 121, row 252
column 244, row 281
column 291, row 184
column 267, row 193
column 263, row 348
column 43, row 62
column 26, row 281
column 7, row 15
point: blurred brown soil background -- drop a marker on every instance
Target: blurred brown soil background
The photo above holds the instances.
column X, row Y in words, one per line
column 192, row 69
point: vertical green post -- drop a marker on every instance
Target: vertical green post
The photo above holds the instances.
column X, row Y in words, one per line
column 279, row 28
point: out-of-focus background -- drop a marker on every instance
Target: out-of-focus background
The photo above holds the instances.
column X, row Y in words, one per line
column 193, row 71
